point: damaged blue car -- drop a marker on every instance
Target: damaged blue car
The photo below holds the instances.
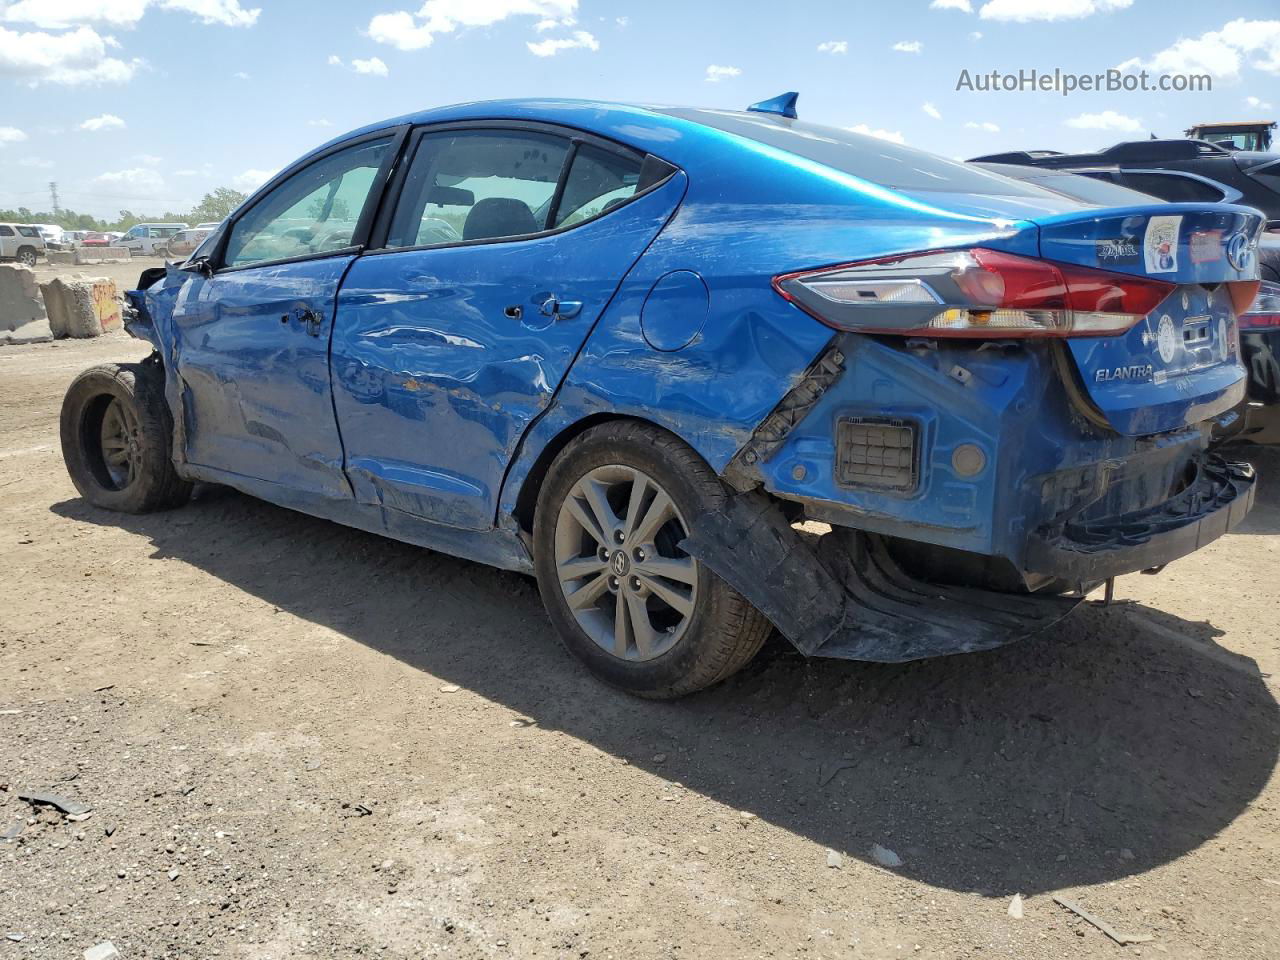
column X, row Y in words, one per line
column 704, row 373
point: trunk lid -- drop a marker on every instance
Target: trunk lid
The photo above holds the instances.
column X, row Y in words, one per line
column 1181, row 364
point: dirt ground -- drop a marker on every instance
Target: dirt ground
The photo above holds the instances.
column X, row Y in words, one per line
column 300, row 740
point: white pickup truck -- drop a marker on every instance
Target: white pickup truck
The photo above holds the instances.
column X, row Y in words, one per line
column 22, row 242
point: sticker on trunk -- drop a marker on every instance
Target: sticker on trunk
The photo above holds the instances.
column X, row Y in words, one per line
column 1206, row 246
column 1160, row 244
column 1117, row 251
column 1166, row 339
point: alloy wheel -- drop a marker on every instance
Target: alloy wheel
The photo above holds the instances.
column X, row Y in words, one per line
column 625, row 579
column 118, row 441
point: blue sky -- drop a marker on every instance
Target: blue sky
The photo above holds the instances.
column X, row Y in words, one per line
column 147, row 104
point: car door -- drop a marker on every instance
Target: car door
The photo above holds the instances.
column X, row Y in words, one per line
column 252, row 338
column 503, row 249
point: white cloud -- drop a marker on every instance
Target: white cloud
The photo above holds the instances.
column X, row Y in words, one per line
column 931, row 110
column 580, row 40
column 1256, row 103
column 1024, row 11
column 1220, row 53
column 717, row 73
column 413, row 31
column 622, row 22
column 372, row 66
column 140, row 181
column 251, row 179
column 35, row 162
column 986, row 126
column 893, row 136
column 59, row 14
column 542, row 26
column 962, row 5
column 834, row 46
column 240, row 75
column 334, row 60
column 976, row 35
column 908, row 46
column 11, row 135
column 108, row 121
column 75, row 57
column 1106, row 120
column 320, row 122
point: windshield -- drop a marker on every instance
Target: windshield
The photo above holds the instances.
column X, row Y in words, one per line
column 870, row 158
column 1076, row 186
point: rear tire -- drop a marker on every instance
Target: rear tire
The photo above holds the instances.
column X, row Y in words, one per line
column 655, row 623
column 116, row 439
column 27, row 257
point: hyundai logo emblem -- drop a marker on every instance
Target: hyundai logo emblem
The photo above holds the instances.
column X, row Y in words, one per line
column 1240, row 251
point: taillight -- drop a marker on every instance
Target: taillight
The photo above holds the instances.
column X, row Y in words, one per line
column 1243, row 293
column 973, row 293
column 1264, row 312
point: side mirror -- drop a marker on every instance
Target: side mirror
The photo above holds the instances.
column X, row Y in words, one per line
column 200, row 265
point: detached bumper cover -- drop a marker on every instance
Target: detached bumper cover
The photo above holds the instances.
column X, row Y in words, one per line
column 845, row 597
column 1215, row 502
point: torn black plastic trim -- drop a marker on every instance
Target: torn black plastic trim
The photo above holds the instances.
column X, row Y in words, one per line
column 847, row 598
column 1217, row 499
column 822, row 374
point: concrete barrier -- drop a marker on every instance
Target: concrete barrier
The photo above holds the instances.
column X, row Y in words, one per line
column 85, row 255
column 82, row 307
column 60, row 256
column 22, row 313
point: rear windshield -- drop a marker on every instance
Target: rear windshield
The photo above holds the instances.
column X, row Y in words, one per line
column 1076, row 186
column 869, row 158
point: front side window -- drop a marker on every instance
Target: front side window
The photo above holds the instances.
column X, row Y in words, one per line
column 598, row 180
column 477, row 185
column 313, row 212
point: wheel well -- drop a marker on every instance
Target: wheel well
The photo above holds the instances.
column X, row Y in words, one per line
column 527, row 498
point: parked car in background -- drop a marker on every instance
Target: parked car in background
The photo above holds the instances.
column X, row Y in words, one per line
column 96, row 239
column 73, row 238
column 208, row 226
column 182, row 244
column 22, row 242
column 53, row 234
column 142, row 239
column 1193, row 171
column 652, row 339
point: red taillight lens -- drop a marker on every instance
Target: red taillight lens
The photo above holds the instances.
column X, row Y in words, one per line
column 1243, row 293
column 1264, row 312
column 974, row 293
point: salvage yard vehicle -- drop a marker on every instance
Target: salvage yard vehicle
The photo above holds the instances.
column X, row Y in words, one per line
column 143, row 239
column 22, row 242
column 182, row 244
column 654, row 340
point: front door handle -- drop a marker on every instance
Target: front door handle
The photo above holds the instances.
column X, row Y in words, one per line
column 560, row 309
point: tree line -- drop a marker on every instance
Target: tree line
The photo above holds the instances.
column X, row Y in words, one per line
column 215, row 206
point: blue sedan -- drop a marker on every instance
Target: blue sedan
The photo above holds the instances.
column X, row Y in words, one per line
column 704, row 373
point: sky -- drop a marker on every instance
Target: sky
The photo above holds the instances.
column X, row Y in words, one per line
column 147, row 105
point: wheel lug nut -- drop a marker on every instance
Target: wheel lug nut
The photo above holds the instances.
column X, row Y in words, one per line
column 613, row 583
column 618, row 537
column 635, row 583
column 639, row 555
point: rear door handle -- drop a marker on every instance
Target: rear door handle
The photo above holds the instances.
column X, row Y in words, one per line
column 560, row 309
column 307, row 317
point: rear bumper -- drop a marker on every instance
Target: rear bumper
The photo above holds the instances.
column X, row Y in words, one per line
column 1218, row 498
column 846, row 597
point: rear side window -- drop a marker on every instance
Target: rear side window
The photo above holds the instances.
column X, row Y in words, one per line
column 314, row 212
column 477, row 185
column 1173, row 187
column 598, row 181
column 868, row 158
column 29, row 231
